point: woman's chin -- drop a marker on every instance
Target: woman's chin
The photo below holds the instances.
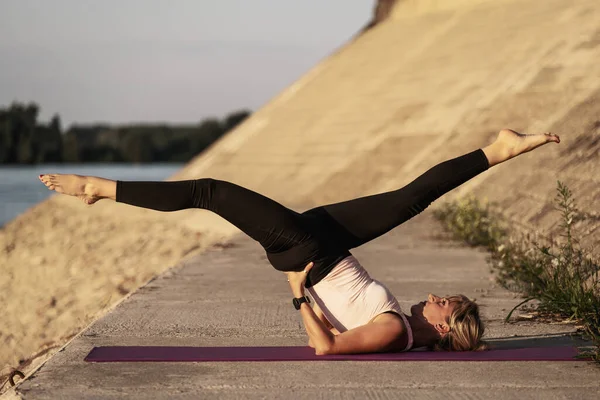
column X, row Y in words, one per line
column 416, row 310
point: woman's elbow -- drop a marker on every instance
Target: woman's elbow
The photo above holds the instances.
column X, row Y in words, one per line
column 323, row 350
column 320, row 352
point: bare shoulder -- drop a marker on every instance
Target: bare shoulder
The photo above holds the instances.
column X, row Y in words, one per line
column 395, row 323
column 383, row 334
column 388, row 317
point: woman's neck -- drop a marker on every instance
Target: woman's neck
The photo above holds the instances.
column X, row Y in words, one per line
column 423, row 333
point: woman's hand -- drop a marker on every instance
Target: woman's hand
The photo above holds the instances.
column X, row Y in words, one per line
column 297, row 280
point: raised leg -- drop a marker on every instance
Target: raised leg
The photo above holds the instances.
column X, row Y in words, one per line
column 355, row 222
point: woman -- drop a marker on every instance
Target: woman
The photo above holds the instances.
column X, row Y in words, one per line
column 353, row 313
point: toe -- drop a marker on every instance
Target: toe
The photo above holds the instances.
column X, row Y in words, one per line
column 86, row 200
column 552, row 137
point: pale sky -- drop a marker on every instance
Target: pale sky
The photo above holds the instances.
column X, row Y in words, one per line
column 175, row 61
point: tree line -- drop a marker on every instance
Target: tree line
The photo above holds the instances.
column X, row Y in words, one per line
column 24, row 140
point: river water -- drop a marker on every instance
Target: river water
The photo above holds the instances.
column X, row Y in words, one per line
column 20, row 187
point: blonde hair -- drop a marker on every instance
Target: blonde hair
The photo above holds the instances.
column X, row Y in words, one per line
column 466, row 327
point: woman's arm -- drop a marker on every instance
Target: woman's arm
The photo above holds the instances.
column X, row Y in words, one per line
column 317, row 310
column 370, row 338
column 319, row 335
column 373, row 337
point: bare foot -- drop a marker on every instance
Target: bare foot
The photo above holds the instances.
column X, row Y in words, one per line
column 515, row 143
column 73, row 185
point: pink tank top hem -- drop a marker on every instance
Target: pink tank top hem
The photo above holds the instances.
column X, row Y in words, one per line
column 349, row 297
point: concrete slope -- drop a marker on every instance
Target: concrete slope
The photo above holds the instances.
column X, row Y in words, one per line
column 434, row 80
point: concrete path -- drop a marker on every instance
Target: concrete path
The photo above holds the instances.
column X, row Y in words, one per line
column 230, row 296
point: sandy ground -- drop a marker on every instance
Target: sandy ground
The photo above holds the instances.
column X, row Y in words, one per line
column 65, row 263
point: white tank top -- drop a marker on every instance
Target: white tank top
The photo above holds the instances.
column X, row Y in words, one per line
column 349, row 297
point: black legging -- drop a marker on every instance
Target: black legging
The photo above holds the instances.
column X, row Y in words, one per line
column 323, row 234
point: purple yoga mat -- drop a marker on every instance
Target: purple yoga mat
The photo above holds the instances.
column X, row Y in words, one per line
column 296, row 353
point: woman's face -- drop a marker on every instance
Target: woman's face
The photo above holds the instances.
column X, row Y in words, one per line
column 435, row 311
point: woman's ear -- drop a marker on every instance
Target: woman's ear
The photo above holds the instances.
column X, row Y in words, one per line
column 442, row 329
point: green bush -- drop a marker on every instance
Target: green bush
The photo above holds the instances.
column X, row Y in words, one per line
column 561, row 276
column 472, row 221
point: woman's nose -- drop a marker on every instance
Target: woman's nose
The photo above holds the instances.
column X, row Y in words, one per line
column 433, row 298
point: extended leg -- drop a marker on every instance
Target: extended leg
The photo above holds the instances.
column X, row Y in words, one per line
column 355, row 222
column 274, row 226
column 279, row 230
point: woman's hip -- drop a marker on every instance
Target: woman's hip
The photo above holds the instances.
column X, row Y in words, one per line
column 324, row 257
